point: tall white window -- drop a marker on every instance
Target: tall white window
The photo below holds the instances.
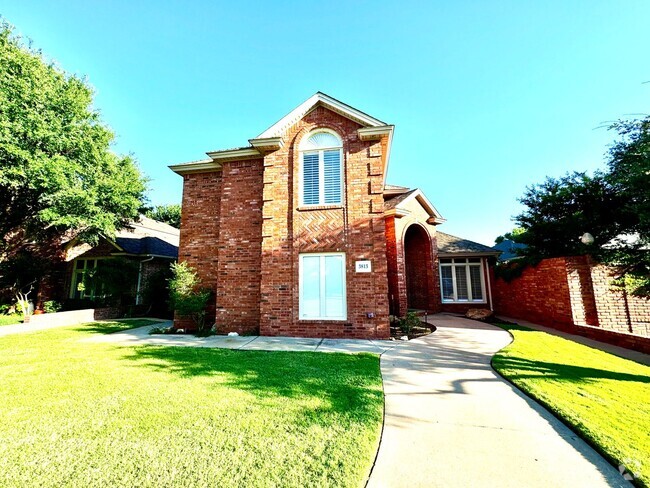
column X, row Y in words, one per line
column 322, row 286
column 461, row 280
column 321, row 163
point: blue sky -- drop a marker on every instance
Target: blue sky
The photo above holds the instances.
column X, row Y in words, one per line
column 487, row 97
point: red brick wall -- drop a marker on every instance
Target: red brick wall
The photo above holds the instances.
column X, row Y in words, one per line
column 575, row 295
column 395, row 263
column 540, row 294
column 616, row 310
column 240, row 240
column 199, row 235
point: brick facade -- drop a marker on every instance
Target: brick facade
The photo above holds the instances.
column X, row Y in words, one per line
column 243, row 229
column 574, row 294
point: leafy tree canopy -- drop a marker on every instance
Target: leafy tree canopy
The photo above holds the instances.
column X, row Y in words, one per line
column 58, row 175
column 170, row 214
column 612, row 205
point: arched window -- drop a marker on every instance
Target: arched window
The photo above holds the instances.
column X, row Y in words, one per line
column 321, row 155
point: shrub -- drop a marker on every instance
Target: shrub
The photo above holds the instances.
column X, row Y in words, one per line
column 409, row 322
column 51, row 306
column 186, row 296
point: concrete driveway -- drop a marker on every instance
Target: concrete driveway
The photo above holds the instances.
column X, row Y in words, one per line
column 452, row 421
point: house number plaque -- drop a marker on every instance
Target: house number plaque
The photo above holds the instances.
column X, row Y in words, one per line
column 362, row 266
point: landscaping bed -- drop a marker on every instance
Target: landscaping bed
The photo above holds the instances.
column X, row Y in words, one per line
column 410, row 326
column 604, row 398
column 84, row 414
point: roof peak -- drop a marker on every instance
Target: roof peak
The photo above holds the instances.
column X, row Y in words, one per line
column 320, row 98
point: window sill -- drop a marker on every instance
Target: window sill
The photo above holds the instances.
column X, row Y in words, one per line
column 322, row 320
column 467, row 302
column 307, row 208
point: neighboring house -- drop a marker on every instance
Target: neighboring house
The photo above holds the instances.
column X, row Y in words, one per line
column 298, row 233
column 136, row 253
column 508, row 249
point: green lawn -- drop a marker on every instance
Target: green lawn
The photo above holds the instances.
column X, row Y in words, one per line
column 603, row 397
column 82, row 414
column 10, row 319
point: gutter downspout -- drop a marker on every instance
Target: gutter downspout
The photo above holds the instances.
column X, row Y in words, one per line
column 489, row 281
column 137, row 291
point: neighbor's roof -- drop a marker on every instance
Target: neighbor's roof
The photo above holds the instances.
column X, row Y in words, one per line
column 508, row 249
column 149, row 237
column 448, row 244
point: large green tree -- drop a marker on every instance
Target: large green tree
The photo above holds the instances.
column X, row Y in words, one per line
column 170, row 214
column 58, row 175
column 612, row 205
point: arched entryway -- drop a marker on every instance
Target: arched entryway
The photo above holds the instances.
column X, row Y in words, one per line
column 419, row 268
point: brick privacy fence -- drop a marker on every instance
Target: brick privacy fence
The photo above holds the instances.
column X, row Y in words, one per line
column 574, row 294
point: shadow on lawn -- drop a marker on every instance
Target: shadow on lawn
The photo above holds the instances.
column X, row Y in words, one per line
column 565, row 372
column 350, row 384
column 112, row 326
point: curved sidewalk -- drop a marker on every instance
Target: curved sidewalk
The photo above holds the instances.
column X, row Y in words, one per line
column 452, row 421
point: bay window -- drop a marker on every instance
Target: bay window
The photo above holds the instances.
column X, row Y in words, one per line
column 461, row 280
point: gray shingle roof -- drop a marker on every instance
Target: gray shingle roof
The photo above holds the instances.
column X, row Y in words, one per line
column 395, row 201
column 149, row 237
column 147, row 246
column 448, row 244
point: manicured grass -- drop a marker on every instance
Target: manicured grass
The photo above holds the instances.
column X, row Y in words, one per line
column 10, row 319
column 85, row 414
column 601, row 396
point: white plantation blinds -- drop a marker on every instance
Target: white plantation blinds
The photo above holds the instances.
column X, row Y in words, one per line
column 461, row 284
column 310, row 186
column 447, row 282
column 322, row 182
column 461, row 280
column 332, row 176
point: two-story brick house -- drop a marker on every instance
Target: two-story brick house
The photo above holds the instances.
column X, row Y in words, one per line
column 298, row 233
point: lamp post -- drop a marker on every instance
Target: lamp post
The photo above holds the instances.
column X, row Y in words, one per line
column 587, row 239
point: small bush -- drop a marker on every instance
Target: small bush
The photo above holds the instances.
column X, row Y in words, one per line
column 186, row 296
column 409, row 322
column 52, row 306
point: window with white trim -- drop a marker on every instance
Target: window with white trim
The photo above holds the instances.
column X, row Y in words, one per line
column 321, row 155
column 79, row 288
column 322, row 286
column 461, row 280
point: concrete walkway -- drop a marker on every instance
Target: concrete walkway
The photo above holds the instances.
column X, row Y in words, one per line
column 6, row 330
column 451, row 421
column 141, row 336
column 637, row 356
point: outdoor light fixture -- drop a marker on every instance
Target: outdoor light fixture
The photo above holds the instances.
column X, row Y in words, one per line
column 587, row 238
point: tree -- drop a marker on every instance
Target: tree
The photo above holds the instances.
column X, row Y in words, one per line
column 58, row 175
column 170, row 214
column 186, row 296
column 513, row 235
column 611, row 205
